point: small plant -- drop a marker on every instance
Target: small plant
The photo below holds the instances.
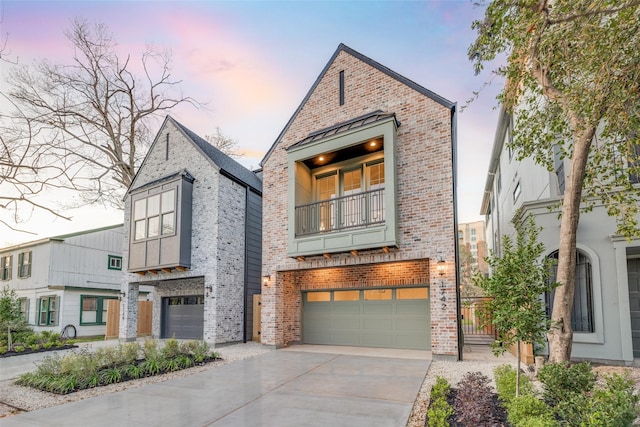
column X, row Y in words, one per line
column 170, row 365
column 18, row 348
column 614, row 404
column 474, row 404
column 111, row 375
column 561, row 381
column 171, row 349
column 439, row 409
column 130, row 352
column 528, row 410
column 150, row 349
column 151, row 366
column 505, row 377
column 133, row 371
column 184, row 361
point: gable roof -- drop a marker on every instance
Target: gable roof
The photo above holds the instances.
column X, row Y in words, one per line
column 228, row 166
column 59, row 238
column 344, row 48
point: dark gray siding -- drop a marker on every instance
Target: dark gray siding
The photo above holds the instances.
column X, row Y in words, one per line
column 253, row 255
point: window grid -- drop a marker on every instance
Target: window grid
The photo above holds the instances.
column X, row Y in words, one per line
column 24, row 264
column 5, row 263
column 48, row 311
column 154, row 216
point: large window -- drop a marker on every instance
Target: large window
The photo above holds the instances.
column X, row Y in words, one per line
column 154, row 216
column 48, row 311
column 24, row 264
column 93, row 309
column 582, row 313
column 5, row 264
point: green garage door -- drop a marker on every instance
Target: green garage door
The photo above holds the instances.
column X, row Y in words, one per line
column 389, row 318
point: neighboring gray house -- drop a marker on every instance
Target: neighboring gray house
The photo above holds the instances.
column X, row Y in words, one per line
column 66, row 280
column 606, row 314
column 192, row 230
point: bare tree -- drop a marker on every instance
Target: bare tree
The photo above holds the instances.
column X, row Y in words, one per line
column 224, row 143
column 89, row 121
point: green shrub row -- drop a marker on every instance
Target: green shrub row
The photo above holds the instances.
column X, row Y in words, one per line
column 571, row 396
column 83, row 369
column 30, row 340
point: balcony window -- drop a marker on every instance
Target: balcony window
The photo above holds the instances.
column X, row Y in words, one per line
column 344, row 199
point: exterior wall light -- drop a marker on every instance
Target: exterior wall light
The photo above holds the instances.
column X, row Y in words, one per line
column 266, row 279
column 442, row 267
column 208, row 290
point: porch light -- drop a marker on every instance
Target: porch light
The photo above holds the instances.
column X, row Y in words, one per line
column 442, row 267
column 122, row 295
column 265, row 280
column 209, row 289
column 321, row 159
column 373, row 143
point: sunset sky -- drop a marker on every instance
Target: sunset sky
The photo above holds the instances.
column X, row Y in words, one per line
column 252, row 62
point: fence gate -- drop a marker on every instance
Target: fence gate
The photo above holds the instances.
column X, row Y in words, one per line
column 474, row 329
column 113, row 318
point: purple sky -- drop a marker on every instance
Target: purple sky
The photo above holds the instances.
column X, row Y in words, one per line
column 253, row 62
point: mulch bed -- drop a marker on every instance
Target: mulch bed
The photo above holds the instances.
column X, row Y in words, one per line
column 40, row 350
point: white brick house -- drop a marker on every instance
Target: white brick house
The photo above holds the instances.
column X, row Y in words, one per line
column 192, row 231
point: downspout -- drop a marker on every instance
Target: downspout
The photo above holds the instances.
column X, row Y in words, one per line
column 454, row 157
column 246, row 263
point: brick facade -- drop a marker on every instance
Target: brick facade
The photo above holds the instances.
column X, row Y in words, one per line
column 425, row 211
column 217, row 242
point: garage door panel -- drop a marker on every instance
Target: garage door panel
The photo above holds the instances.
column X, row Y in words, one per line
column 378, row 324
column 378, row 340
column 411, row 324
column 369, row 322
column 346, row 323
column 346, row 308
column 411, row 307
column 377, row 308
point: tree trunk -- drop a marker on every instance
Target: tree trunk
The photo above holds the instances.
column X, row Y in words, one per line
column 561, row 335
column 518, row 369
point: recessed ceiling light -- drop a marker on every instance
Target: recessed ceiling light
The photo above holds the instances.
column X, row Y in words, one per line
column 373, row 143
column 321, row 158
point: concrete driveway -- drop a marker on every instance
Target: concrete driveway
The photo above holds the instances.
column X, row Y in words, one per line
column 279, row 388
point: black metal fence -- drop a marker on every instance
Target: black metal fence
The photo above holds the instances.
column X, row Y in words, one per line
column 340, row 213
column 476, row 323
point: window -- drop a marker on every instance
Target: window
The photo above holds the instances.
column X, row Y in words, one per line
column 516, row 192
column 93, row 309
column 114, row 262
column 48, row 311
column 24, row 308
column 5, row 264
column 154, row 216
column 582, row 313
column 24, row 264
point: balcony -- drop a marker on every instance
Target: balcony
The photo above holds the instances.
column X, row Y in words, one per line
column 342, row 188
column 341, row 213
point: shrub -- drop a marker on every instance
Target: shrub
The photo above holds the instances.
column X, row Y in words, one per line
column 505, row 376
column 133, row 371
column 128, row 353
column 171, row 348
column 150, row 349
column 614, row 404
column 439, row 409
column 170, row 365
column 151, row 366
column 111, row 375
column 474, row 403
column 184, row 361
column 18, row 348
column 560, row 381
column 527, row 410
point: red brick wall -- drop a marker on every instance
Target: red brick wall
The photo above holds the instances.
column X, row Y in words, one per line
column 424, row 184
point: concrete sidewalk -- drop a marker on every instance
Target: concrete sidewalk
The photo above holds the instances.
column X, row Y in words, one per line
column 279, row 388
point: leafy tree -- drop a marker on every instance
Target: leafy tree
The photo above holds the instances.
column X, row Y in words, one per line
column 517, row 282
column 83, row 126
column 11, row 319
column 573, row 79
